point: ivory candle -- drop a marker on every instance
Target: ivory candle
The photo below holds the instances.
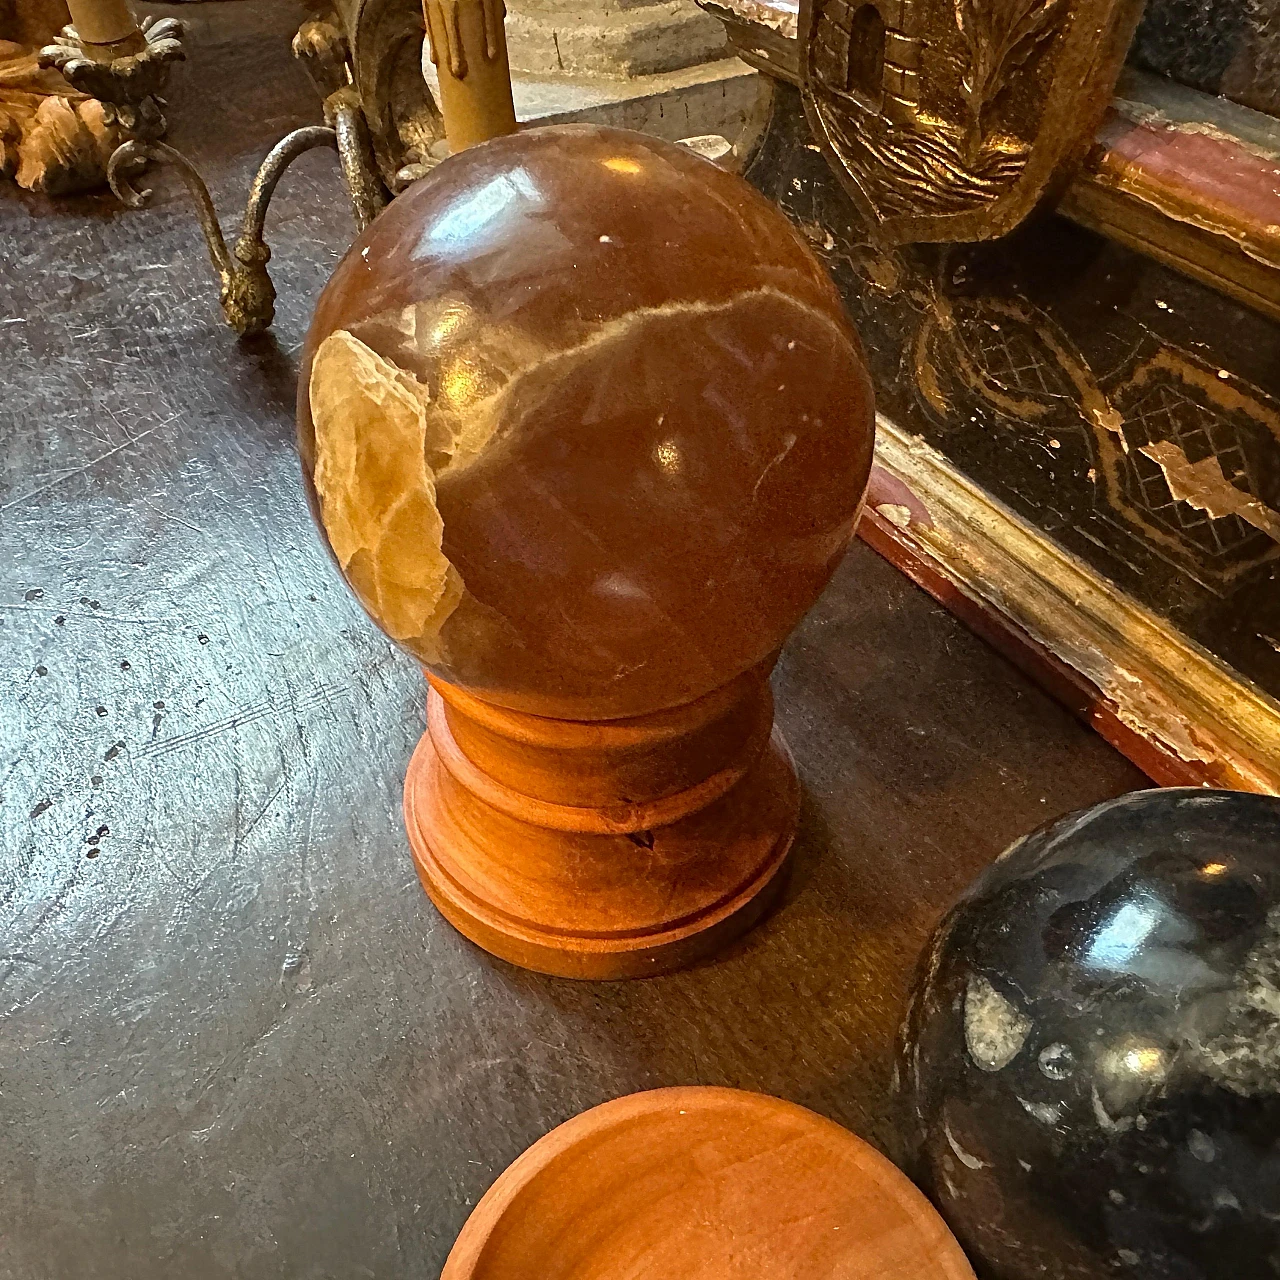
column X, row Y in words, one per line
column 106, row 28
column 469, row 48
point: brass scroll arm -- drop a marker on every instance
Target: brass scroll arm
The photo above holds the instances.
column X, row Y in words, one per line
column 248, row 297
column 247, row 293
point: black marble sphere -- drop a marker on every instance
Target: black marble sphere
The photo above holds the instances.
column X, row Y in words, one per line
column 1090, row 1068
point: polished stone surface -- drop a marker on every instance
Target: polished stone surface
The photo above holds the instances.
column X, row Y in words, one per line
column 1091, row 1069
column 587, row 426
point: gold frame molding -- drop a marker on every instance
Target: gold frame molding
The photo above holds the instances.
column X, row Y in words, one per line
column 1171, row 706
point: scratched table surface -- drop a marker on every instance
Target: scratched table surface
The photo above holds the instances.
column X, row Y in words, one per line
column 235, row 1038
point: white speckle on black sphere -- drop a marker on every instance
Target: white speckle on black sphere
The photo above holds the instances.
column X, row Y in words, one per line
column 1045, row 1112
column 1201, row 1146
column 1057, row 1061
column 994, row 1029
column 1243, row 1054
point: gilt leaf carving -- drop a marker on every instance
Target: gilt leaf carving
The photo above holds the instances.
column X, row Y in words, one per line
column 1001, row 35
column 970, row 111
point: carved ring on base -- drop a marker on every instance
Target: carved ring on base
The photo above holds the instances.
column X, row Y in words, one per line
column 608, row 849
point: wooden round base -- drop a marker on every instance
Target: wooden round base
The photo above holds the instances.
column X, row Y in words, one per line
column 615, row 849
column 704, row 1184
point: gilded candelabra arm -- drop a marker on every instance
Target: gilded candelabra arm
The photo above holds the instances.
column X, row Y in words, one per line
column 270, row 171
column 322, row 48
column 247, row 294
column 344, row 114
column 246, row 291
column 130, row 158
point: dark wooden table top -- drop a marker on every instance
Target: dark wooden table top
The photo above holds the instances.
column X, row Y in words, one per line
column 235, row 1038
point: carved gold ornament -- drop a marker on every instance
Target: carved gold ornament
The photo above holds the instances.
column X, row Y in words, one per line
column 951, row 119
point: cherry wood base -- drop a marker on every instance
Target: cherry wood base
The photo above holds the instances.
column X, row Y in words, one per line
column 602, row 849
column 705, row 1184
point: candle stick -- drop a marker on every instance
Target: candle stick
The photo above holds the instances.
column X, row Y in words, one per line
column 106, row 28
column 469, row 49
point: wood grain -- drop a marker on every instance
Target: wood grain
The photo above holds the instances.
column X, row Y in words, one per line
column 605, row 848
column 703, row 1184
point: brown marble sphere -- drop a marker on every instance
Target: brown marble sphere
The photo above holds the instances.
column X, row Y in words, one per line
column 584, row 423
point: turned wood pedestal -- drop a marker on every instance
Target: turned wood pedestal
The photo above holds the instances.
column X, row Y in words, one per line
column 606, row 849
column 703, row 1184
column 589, row 452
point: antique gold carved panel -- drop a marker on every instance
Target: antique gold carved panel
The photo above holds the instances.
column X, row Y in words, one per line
column 951, row 119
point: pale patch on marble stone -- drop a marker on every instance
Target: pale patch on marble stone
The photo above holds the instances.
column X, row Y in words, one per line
column 994, row 1028
column 462, row 361
column 1201, row 1146
column 966, row 1158
column 1057, row 1061
column 377, row 493
column 1045, row 1112
column 1243, row 1054
column 1106, row 1121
